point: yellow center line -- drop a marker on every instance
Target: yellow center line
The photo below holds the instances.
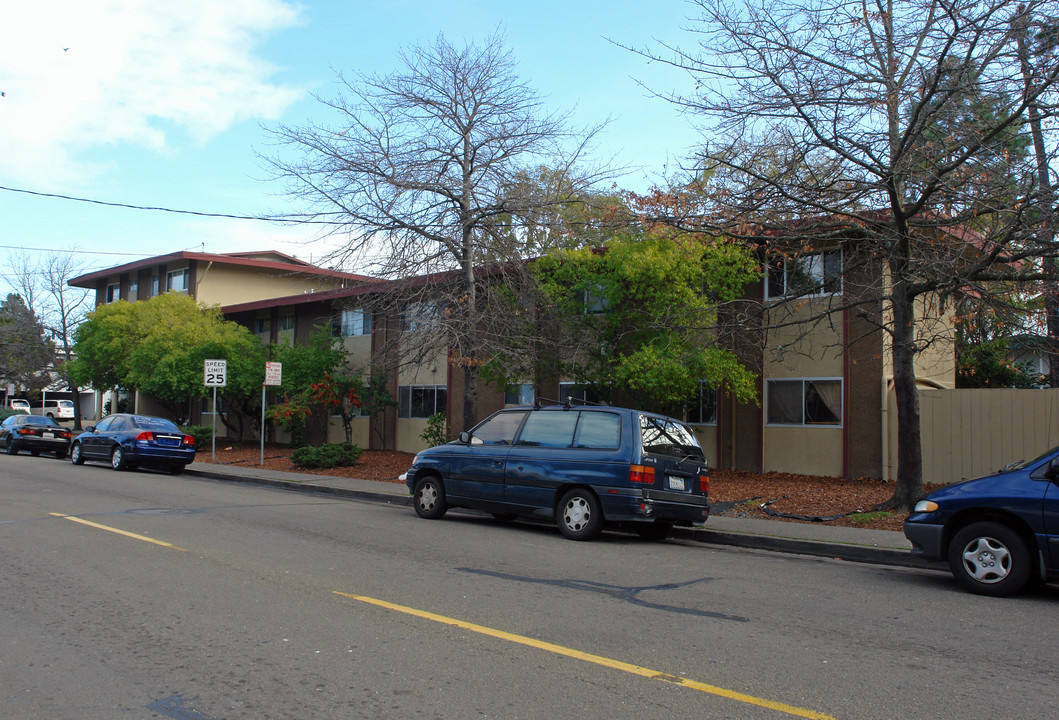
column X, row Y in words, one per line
column 116, row 530
column 597, row 659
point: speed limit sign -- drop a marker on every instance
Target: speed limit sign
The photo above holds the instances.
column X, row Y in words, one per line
column 216, row 373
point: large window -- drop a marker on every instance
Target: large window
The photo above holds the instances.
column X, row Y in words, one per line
column 597, row 430
column 702, row 410
column 421, row 401
column 113, row 293
column 804, row 402
column 815, row 273
column 349, row 323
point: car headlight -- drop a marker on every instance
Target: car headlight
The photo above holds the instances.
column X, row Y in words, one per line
column 925, row 506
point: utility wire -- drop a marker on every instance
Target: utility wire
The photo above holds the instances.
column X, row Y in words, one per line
column 260, row 218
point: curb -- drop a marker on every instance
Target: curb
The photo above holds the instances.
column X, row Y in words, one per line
column 705, row 536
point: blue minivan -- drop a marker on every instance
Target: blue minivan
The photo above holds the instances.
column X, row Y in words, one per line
column 582, row 466
column 997, row 533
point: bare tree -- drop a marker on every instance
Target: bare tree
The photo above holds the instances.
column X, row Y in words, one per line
column 423, row 170
column 824, row 122
column 59, row 306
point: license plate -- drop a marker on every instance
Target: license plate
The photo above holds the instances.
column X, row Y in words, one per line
column 47, row 435
column 676, row 483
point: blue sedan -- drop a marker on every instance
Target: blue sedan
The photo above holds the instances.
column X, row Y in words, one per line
column 128, row 441
column 998, row 532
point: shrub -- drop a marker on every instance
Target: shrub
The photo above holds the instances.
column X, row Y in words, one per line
column 203, row 435
column 435, row 432
column 326, row 456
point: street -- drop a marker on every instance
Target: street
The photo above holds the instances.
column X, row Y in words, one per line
column 140, row 595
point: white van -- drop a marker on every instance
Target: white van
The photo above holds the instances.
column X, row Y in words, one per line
column 55, row 409
column 19, row 405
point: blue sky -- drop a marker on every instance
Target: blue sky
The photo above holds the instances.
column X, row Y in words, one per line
column 160, row 103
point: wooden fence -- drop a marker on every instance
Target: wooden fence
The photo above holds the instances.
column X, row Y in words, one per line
column 970, row 433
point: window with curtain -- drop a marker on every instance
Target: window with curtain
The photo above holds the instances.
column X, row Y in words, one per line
column 804, row 402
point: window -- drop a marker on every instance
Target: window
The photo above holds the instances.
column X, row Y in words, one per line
column 421, row 401
column 804, row 402
column 285, row 322
column 177, row 280
column 499, row 429
column 549, row 429
column 262, row 326
column 817, row 273
column 418, row 316
column 134, row 289
column 702, row 410
column 519, row 394
column 113, row 293
column 154, row 285
column 350, row 323
column 595, row 301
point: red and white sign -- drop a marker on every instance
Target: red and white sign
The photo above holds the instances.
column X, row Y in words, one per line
column 273, row 373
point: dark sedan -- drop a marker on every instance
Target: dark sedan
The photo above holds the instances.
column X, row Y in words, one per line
column 128, row 441
column 34, row 433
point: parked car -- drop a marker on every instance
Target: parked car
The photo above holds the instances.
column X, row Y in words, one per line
column 33, row 433
column 128, row 441
column 59, row 409
column 997, row 532
column 583, row 467
column 19, row 405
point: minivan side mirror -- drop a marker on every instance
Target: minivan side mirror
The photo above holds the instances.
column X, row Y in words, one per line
column 465, row 437
column 1052, row 473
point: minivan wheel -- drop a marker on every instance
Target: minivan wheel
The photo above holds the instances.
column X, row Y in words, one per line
column 578, row 515
column 429, row 498
column 988, row 558
column 75, row 454
column 117, row 458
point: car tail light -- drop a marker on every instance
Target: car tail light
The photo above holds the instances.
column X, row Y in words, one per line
column 642, row 474
column 704, row 484
column 145, row 436
column 189, row 439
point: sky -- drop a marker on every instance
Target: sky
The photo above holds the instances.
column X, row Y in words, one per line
column 166, row 104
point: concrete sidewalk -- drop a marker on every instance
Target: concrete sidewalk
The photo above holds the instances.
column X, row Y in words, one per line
column 843, row 543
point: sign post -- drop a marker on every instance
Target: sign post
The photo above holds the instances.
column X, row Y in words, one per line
column 216, row 375
column 273, row 376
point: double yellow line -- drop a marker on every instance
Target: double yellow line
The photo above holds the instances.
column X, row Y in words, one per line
column 596, row 659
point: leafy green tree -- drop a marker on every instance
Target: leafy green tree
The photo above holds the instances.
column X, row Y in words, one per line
column 639, row 318
column 158, row 346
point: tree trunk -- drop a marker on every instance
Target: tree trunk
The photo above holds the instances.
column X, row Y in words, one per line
column 909, row 444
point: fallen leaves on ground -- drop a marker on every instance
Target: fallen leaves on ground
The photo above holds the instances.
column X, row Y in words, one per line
column 755, row 495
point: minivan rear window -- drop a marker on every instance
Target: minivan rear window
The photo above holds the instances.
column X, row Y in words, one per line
column 660, row 436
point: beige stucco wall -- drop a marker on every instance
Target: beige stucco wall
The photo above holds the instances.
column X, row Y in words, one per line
column 435, row 373
column 802, row 350
column 803, row 450
column 218, row 284
column 408, row 432
column 359, row 426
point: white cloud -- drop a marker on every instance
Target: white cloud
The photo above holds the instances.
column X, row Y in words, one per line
column 80, row 75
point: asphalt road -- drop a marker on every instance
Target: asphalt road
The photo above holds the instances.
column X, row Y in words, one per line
column 140, row 595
